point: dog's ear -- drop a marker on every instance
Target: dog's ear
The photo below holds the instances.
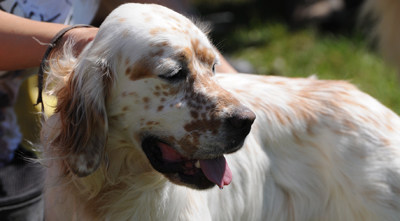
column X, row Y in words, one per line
column 82, row 110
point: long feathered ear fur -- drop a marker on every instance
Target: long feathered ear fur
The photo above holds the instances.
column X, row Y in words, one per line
column 81, row 87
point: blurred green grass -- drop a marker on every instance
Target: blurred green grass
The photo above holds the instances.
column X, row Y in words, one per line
column 275, row 50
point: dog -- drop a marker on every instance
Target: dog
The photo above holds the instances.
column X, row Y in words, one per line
column 144, row 129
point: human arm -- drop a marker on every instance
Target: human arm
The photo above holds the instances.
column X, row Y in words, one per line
column 20, row 50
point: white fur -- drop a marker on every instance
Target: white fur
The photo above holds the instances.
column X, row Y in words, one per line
column 318, row 150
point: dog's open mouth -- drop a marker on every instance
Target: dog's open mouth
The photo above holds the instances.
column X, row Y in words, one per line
column 200, row 173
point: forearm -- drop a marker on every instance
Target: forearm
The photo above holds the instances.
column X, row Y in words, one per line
column 18, row 48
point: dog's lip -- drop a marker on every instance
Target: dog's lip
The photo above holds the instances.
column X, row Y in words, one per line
column 166, row 160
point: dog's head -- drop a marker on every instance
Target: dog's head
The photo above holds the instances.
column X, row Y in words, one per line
column 149, row 76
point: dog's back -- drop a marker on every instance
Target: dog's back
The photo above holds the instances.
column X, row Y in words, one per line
column 328, row 151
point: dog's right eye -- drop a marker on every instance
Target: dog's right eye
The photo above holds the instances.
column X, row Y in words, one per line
column 176, row 75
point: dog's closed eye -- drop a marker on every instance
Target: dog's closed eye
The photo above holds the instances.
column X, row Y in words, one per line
column 176, row 75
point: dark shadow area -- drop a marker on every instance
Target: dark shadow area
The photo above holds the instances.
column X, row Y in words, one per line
column 337, row 17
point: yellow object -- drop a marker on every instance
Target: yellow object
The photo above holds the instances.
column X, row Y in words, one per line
column 28, row 114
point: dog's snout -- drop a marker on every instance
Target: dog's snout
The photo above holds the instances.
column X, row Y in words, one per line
column 242, row 119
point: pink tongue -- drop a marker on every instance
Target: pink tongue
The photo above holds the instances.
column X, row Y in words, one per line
column 217, row 171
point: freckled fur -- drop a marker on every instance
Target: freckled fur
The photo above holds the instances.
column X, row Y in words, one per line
column 318, row 150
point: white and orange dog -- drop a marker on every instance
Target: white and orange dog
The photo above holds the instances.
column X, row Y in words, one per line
column 145, row 130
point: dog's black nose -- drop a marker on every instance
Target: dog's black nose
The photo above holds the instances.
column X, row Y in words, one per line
column 238, row 126
column 242, row 119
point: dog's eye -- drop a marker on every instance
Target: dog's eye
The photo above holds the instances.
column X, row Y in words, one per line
column 176, row 75
column 213, row 68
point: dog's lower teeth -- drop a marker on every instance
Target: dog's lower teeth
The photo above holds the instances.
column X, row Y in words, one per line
column 197, row 164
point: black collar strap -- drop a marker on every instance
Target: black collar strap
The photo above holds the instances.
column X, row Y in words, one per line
column 43, row 64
